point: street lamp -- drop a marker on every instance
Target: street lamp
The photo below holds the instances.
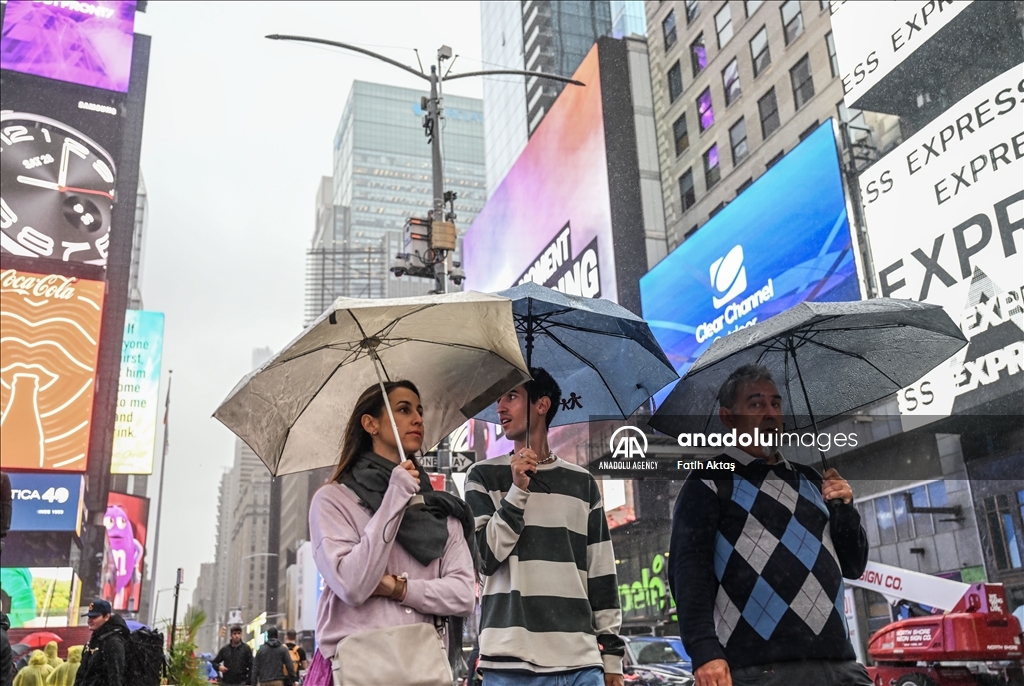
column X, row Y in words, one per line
column 241, row 573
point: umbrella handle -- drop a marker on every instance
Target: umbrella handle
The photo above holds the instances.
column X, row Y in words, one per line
column 387, row 405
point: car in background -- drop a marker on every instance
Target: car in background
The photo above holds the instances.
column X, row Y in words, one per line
column 656, row 661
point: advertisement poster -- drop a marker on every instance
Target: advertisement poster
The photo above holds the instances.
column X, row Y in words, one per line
column 550, row 219
column 40, row 596
column 735, row 272
column 88, row 43
column 51, row 328
column 138, row 393
column 959, row 180
column 126, row 519
column 46, row 502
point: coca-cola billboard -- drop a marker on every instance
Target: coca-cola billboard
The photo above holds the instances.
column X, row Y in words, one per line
column 51, row 330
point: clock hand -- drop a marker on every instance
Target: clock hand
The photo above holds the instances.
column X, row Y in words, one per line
column 87, row 191
column 39, row 182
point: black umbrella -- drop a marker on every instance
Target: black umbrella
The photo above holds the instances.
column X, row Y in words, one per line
column 841, row 356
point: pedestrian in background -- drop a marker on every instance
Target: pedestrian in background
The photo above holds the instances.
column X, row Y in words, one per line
column 296, row 651
column 104, row 655
column 6, row 654
column 66, row 673
column 51, row 655
column 234, row 661
column 36, row 672
column 758, row 556
column 550, row 600
column 385, row 566
column 273, row 664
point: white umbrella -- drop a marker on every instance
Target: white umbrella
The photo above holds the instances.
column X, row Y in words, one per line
column 460, row 349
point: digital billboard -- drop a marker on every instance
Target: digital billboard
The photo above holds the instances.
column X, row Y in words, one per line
column 126, row 521
column 46, row 502
column 48, row 350
column 138, row 393
column 40, row 596
column 570, row 213
column 88, row 43
column 784, row 240
column 958, row 180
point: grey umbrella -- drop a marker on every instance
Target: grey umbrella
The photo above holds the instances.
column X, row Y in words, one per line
column 460, row 349
column 831, row 358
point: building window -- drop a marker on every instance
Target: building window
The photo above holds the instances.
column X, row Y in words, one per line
column 738, row 142
column 759, row 52
column 716, row 209
column 745, row 185
column 731, row 82
column 675, row 82
column 1004, row 527
column 809, row 130
column 712, row 170
column 803, row 84
column 723, row 25
column 792, row 20
column 768, row 109
column 705, row 112
column 692, row 10
column 681, row 135
column 692, row 230
column 751, row 6
column 823, row 4
column 668, row 28
column 833, row 60
column 686, row 191
column 698, row 55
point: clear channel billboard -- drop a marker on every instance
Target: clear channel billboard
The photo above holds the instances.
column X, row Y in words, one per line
column 784, row 240
column 138, row 393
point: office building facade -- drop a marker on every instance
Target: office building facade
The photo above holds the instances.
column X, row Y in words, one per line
column 737, row 85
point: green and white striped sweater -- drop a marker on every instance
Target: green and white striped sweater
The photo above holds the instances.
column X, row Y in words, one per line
column 550, row 597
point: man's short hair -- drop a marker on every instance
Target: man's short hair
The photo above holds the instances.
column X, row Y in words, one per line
column 748, row 373
column 271, row 632
column 543, row 385
column 236, row 629
column 291, row 633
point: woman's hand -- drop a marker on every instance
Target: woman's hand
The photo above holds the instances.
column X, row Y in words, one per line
column 410, row 466
column 386, row 586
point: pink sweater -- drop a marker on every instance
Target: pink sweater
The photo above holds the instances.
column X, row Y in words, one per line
column 351, row 553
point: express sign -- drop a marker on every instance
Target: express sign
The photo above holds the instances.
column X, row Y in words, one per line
column 46, row 502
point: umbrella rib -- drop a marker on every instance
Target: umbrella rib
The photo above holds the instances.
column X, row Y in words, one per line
column 591, row 365
column 856, row 356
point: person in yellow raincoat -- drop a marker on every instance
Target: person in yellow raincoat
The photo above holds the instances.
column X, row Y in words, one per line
column 36, row 672
column 66, row 673
column 51, row 655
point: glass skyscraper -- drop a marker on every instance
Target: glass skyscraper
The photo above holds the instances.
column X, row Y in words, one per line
column 382, row 177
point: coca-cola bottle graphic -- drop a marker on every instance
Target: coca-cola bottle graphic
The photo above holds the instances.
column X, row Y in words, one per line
column 21, row 431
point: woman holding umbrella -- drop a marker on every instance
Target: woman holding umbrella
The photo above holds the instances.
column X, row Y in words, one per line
column 388, row 569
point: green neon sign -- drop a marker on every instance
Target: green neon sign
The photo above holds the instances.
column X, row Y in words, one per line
column 650, row 592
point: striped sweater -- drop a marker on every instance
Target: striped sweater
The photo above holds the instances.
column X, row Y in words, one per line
column 550, row 598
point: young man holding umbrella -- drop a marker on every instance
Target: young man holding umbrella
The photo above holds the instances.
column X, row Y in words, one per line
column 549, row 604
column 758, row 556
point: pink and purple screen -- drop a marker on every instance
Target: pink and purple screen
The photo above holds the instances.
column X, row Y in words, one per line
column 89, row 43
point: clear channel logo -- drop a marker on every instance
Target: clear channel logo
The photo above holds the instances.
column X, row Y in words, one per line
column 728, row 276
column 628, row 442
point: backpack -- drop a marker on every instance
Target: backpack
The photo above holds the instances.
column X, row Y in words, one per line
column 144, row 661
column 294, row 653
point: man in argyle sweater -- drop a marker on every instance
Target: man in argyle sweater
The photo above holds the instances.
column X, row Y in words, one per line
column 758, row 558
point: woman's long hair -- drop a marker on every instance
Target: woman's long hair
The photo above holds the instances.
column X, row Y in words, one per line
column 356, row 440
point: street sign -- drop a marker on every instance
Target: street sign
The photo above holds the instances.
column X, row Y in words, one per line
column 235, row 617
column 462, row 460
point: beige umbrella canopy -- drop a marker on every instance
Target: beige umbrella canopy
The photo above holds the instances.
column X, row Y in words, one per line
column 460, row 349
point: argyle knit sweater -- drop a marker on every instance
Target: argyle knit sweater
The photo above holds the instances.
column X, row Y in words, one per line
column 550, row 598
column 757, row 561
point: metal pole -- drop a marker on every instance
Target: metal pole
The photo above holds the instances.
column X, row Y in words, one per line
column 159, row 504
column 174, row 619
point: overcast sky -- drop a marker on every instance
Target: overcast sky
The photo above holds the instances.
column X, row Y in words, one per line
column 238, row 132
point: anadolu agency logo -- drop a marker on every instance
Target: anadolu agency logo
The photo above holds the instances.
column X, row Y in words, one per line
column 628, row 446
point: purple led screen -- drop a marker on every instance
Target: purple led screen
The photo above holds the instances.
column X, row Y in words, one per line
column 706, row 112
column 89, row 43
